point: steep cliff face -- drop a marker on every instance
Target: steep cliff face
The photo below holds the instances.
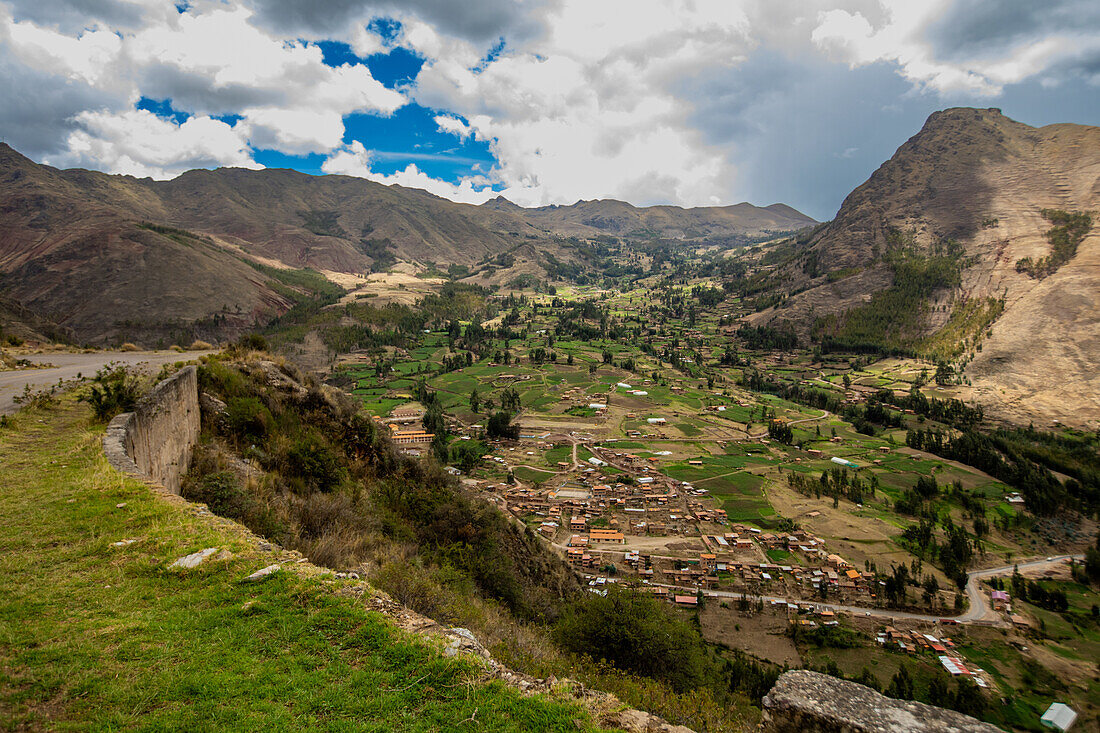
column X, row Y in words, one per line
column 983, row 187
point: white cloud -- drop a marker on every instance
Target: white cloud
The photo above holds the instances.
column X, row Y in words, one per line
column 139, row 143
column 453, row 125
column 590, row 108
column 209, row 61
column 355, row 160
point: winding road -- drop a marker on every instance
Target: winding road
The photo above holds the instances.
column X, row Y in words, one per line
column 68, row 366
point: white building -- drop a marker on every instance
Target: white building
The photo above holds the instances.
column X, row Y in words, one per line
column 1059, row 717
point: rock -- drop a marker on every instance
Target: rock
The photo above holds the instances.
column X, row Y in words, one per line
column 809, row 701
column 465, row 634
column 120, row 505
column 123, row 543
column 195, row 558
column 260, row 574
column 212, row 405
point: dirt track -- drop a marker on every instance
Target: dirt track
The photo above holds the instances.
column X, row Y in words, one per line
column 73, row 366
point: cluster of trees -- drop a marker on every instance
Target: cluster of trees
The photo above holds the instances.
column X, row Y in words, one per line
column 766, row 337
column 837, row 484
column 1043, row 493
column 893, row 319
column 967, row 698
column 1068, row 231
column 954, row 553
column 638, row 633
column 950, row 411
column 1032, row 591
column 781, row 431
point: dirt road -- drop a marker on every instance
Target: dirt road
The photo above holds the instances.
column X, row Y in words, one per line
column 73, row 366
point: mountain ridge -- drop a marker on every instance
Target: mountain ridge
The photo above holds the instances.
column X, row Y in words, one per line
column 77, row 248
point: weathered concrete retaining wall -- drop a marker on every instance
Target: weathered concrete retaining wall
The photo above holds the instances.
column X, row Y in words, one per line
column 808, row 702
column 156, row 440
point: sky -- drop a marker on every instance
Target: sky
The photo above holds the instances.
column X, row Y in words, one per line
column 685, row 102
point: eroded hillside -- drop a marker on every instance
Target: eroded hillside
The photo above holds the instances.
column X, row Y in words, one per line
column 982, row 192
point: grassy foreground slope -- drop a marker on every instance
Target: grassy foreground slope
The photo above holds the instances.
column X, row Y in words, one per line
column 94, row 636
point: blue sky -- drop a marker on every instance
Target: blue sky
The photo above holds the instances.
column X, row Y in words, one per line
column 649, row 101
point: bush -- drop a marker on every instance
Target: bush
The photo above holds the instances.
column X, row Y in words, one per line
column 253, row 341
column 128, row 346
column 638, row 634
column 199, row 345
column 314, row 462
column 113, row 391
column 247, row 417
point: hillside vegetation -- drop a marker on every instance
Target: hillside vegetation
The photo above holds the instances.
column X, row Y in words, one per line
column 326, row 480
column 94, row 635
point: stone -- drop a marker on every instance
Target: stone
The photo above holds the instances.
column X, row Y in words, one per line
column 261, row 574
column 804, row 701
column 123, row 543
column 120, row 505
column 195, row 558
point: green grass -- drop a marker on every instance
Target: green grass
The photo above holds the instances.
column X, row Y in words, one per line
column 95, row 637
column 530, row 475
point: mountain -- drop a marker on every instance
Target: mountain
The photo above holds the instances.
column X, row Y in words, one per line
column 620, row 219
column 112, row 258
column 963, row 247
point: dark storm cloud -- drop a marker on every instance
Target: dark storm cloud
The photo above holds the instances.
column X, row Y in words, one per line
column 975, row 28
column 481, row 22
column 37, row 117
column 72, row 16
column 802, row 131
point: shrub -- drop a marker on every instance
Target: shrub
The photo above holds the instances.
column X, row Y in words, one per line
column 248, row 417
column 199, row 345
column 113, row 391
column 128, row 346
column 314, row 462
column 638, row 634
column 253, row 341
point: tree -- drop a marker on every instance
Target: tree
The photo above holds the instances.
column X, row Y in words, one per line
column 433, row 420
column 901, row 686
column 467, row 454
column 509, row 400
column 475, row 400
column 501, row 426
column 938, row 692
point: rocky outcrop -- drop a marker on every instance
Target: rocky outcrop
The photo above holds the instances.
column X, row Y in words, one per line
column 155, row 441
column 808, row 702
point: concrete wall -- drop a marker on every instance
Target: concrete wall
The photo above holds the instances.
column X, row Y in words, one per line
column 156, row 440
column 809, row 702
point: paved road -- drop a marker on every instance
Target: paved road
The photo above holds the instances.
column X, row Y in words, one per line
column 73, row 366
column 979, row 606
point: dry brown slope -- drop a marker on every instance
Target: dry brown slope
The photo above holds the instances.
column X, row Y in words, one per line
column 982, row 179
